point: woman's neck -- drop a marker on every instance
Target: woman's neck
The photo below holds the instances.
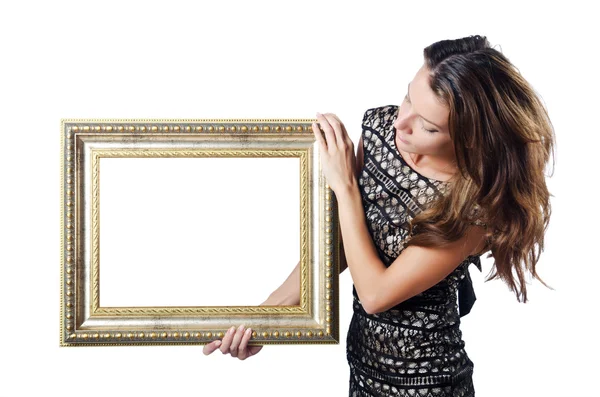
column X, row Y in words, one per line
column 442, row 169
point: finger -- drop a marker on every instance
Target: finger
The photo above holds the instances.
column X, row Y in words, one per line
column 233, row 349
column 346, row 138
column 319, row 137
column 329, row 133
column 243, row 348
column 337, row 128
column 211, row 347
column 227, row 340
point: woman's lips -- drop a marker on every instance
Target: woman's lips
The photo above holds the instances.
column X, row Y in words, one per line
column 400, row 137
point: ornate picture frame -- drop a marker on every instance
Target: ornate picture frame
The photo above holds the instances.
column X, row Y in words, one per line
column 86, row 322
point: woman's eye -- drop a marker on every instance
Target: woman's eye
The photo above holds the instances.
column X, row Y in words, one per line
column 430, row 131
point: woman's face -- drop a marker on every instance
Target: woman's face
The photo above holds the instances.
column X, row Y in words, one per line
column 422, row 121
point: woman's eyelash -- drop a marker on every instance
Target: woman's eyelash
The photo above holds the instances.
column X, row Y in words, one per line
column 430, row 131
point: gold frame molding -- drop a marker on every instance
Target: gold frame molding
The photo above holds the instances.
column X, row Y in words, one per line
column 84, row 322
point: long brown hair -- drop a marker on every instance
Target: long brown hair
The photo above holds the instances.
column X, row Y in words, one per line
column 502, row 137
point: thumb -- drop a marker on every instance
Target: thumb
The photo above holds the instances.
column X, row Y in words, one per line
column 211, row 347
column 252, row 350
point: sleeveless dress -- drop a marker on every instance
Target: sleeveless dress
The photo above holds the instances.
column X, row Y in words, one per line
column 415, row 348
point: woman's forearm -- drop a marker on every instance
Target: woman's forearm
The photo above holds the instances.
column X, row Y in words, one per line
column 288, row 293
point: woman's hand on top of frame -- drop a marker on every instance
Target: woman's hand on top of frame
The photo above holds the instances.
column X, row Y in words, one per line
column 337, row 152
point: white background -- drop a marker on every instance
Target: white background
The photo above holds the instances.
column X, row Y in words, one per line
column 170, row 224
column 258, row 59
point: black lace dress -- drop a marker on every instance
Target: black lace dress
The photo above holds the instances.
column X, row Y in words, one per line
column 415, row 348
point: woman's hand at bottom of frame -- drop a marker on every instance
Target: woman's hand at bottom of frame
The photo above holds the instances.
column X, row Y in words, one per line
column 235, row 343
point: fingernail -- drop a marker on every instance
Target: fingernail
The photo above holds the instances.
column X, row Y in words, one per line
column 249, row 331
column 218, row 343
column 232, row 330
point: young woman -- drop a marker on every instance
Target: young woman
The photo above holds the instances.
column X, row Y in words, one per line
column 455, row 171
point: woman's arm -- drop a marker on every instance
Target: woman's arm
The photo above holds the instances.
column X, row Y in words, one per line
column 415, row 270
column 359, row 166
column 289, row 292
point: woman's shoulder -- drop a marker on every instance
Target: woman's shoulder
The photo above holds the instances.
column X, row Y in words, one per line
column 379, row 116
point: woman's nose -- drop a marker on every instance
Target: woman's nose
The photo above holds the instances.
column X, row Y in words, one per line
column 400, row 124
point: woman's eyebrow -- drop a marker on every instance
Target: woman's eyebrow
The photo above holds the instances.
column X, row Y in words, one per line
column 407, row 93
